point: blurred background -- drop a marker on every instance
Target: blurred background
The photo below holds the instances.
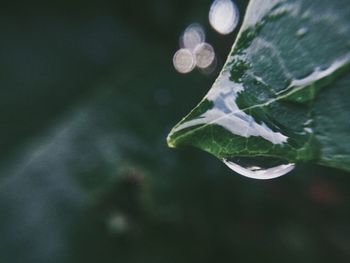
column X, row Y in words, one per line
column 89, row 93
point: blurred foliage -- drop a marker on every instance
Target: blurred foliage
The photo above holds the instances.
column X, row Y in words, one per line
column 88, row 94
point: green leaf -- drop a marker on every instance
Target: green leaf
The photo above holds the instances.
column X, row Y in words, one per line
column 282, row 94
column 85, row 175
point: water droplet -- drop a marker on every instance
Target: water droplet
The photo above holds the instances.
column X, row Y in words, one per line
column 183, row 61
column 259, row 167
column 204, row 55
column 192, row 36
column 301, row 32
column 223, row 16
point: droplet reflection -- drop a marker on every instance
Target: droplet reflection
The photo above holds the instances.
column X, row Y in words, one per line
column 183, row 61
column 223, row 16
column 252, row 168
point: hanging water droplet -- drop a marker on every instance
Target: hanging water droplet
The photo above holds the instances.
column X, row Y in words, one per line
column 259, row 167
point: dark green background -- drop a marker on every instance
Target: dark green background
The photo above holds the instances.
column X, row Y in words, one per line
column 88, row 95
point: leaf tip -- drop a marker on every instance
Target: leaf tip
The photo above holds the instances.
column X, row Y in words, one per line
column 170, row 141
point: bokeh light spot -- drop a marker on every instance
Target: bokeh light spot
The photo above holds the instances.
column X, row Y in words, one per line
column 192, row 36
column 223, row 16
column 204, row 55
column 183, row 61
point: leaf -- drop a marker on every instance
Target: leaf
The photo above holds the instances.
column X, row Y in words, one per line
column 283, row 91
column 86, row 175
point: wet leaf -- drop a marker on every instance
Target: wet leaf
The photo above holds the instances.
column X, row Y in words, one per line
column 86, row 176
column 283, row 91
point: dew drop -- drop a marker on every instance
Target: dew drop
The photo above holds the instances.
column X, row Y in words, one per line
column 301, row 32
column 259, row 167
